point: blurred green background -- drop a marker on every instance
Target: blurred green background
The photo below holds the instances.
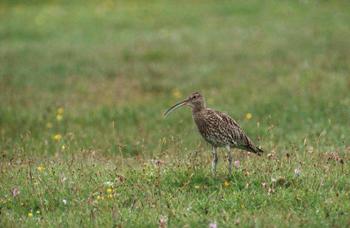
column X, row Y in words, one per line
column 125, row 62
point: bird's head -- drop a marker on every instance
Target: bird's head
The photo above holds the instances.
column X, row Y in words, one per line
column 195, row 101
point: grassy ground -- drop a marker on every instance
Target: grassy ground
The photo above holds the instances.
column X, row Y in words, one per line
column 83, row 86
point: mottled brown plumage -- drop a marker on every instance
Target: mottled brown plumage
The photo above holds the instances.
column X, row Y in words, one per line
column 220, row 130
column 217, row 128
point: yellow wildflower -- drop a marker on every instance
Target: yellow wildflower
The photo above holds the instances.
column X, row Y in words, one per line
column 59, row 117
column 38, row 212
column 109, row 190
column 248, row 116
column 110, row 196
column 30, row 214
column 177, row 94
column 60, row 111
column 49, row 125
column 63, row 147
column 226, row 183
column 196, row 186
column 57, row 137
column 40, row 168
column 98, row 197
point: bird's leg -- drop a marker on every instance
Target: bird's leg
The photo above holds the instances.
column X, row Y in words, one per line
column 214, row 161
column 229, row 155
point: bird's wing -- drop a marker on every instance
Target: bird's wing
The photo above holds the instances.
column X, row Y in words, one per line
column 227, row 119
column 234, row 132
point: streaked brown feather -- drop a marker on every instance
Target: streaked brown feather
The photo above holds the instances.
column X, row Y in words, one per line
column 219, row 129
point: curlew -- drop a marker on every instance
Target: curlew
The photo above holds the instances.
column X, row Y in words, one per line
column 217, row 128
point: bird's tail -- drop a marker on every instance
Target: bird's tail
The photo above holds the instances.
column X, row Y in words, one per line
column 256, row 150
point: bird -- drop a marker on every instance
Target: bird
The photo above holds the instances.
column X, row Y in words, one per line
column 217, row 128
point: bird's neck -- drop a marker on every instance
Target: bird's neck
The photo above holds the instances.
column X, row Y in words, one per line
column 197, row 108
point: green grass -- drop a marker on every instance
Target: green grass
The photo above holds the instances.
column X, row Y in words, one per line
column 115, row 66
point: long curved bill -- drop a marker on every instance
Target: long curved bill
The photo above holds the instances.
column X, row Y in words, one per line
column 174, row 107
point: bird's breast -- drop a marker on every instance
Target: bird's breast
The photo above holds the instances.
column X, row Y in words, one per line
column 206, row 127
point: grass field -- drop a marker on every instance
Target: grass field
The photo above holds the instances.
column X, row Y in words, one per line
column 83, row 86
